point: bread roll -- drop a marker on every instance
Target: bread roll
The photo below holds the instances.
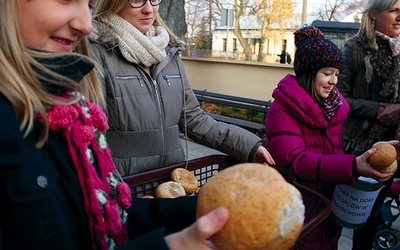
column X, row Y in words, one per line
column 147, row 196
column 266, row 212
column 383, row 158
column 186, row 178
column 391, row 169
column 170, row 189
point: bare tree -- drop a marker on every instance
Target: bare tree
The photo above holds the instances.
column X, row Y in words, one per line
column 201, row 16
column 272, row 14
column 195, row 12
column 336, row 10
column 240, row 8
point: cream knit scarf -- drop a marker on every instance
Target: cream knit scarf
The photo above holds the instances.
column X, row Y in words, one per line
column 138, row 48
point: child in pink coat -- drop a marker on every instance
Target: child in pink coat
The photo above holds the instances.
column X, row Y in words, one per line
column 304, row 125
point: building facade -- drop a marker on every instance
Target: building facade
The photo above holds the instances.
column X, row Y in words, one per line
column 225, row 43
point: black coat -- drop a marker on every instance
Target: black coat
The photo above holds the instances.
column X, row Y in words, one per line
column 42, row 204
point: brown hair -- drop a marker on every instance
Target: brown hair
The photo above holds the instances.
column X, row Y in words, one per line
column 307, row 81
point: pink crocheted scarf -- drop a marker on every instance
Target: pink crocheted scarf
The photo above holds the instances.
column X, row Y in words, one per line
column 331, row 104
column 106, row 196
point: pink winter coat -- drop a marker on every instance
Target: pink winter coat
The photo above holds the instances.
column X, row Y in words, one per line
column 302, row 140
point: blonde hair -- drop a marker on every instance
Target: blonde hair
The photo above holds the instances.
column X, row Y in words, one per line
column 19, row 82
column 367, row 27
column 105, row 8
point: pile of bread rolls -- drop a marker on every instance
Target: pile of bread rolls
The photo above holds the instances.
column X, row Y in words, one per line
column 183, row 182
column 266, row 212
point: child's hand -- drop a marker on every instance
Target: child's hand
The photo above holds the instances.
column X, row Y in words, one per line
column 196, row 235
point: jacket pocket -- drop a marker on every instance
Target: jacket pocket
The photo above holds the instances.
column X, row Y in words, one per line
column 130, row 78
column 172, row 78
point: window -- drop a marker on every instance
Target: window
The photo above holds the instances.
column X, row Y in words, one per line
column 234, row 44
column 224, row 44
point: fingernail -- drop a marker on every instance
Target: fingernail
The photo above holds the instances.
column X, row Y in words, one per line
column 219, row 214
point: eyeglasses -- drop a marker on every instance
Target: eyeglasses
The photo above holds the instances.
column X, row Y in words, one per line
column 141, row 3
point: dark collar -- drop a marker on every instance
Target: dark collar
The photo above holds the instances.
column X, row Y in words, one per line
column 71, row 66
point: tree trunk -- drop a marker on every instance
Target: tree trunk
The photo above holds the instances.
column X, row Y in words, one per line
column 246, row 47
column 173, row 14
column 260, row 57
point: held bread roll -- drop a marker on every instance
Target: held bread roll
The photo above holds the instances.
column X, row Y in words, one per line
column 170, row 189
column 391, row 169
column 266, row 212
column 147, row 196
column 384, row 157
column 186, row 178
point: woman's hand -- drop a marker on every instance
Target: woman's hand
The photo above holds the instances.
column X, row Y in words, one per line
column 390, row 114
column 195, row 236
column 264, row 156
column 364, row 169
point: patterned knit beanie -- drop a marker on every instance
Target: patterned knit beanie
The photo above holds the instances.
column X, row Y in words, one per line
column 314, row 51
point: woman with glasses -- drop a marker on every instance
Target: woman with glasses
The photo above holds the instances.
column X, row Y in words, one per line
column 149, row 98
column 59, row 188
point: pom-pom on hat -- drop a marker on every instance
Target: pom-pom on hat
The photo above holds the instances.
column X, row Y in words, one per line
column 314, row 51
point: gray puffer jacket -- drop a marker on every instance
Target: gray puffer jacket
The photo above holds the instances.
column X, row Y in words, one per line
column 147, row 112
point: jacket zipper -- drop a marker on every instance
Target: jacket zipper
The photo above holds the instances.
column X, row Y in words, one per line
column 168, row 77
column 158, row 99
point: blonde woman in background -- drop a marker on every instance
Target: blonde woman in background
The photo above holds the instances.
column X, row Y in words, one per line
column 370, row 82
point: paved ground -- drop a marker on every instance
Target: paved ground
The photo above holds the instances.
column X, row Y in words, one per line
column 197, row 150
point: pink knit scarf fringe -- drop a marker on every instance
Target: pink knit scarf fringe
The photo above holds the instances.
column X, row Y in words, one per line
column 79, row 130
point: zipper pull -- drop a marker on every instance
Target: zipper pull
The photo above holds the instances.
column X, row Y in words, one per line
column 167, row 79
